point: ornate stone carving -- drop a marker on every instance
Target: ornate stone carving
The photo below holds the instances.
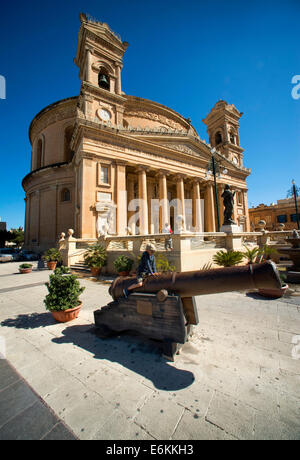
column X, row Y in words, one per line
column 155, row 117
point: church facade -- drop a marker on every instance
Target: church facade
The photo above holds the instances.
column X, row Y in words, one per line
column 105, row 162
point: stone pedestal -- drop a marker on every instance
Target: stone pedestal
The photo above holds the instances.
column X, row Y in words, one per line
column 233, row 239
column 232, row 228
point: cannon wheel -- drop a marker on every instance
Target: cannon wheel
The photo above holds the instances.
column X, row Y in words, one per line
column 162, row 295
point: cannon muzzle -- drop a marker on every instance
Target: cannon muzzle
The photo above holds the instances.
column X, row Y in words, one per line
column 202, row 282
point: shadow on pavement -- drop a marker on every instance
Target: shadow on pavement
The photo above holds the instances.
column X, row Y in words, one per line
column 256, row 296
column 134, row 352
column 31, row 321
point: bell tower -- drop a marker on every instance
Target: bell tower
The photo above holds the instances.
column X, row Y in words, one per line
column 100, row 60
column 222, row 124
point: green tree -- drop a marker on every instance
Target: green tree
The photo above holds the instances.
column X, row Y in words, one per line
column 18, row 236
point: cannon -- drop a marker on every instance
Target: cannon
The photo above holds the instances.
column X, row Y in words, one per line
column 164, row 307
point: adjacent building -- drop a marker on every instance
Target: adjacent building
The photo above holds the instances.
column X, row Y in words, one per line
column 276, row 214
column 107, row 162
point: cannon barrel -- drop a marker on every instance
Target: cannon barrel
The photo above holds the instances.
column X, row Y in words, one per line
column 202, row 282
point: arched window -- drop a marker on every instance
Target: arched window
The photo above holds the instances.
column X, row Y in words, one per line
column 232, row 137
column 39, row 153
column 103, row 80
column 65, row 195
column 68, row 153
column 218, row 138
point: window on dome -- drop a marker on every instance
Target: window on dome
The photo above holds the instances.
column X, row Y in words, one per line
column 65, row 195
column 39, row 152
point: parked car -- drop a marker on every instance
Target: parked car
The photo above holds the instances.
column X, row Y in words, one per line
column 8, row 254
column 27, row 255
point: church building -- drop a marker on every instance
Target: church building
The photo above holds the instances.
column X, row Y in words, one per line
column 107, row 162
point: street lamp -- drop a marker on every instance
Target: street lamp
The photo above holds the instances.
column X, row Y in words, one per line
column 294, row 192
column 214, row 167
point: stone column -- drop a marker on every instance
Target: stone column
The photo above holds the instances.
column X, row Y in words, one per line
column 180, row 198
column 197, row 217
column 39, row 217
column 87, row 216
column 209, row 209
column 142, row 177
column 149, row 198
column 163, row 200
column 246, row 211
column 27, row 220
column 235, row 207
column 118, row 79
column 226, row 134
column 121, row 198
column 130, row 199
column 88, row 69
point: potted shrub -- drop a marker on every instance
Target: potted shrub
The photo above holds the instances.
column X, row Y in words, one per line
column 268, row 252
column 52, row 256
column 251, row 254
column 228, row 259
column 25, row 268
column 96, row 258
column 123, row 265
column 63, row 295
column 163, row 264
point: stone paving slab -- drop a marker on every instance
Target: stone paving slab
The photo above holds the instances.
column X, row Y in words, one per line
column 235, row 379
column 23, row 415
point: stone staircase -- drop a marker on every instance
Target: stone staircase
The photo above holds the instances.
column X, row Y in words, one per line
column 80, row 267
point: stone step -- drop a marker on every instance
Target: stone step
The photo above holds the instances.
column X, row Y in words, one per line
column 80, row 268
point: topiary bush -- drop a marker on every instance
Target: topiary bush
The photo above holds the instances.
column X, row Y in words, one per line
column 63, row 290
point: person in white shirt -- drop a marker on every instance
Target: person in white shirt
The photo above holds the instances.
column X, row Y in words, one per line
column 168, row 241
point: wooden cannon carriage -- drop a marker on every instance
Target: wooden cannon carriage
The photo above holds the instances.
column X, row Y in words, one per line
column 164, row 308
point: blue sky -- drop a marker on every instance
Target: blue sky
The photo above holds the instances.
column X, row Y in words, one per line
column 183, row 54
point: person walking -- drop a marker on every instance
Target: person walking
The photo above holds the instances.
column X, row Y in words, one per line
column 168, row 241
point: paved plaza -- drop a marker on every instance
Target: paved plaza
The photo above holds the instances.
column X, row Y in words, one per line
column 237, row 378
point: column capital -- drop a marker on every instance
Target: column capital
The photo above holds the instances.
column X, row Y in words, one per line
column 162, row 173
column 142, row 168
column 196, row 180
column 90, row 48
column 118, row 162
column 180, row 177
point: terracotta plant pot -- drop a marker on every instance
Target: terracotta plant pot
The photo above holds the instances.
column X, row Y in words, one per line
column 273, row 293
column 95, row 271
column 123, row 273
column 67, row 315
column 51, row 265
column 25, row 270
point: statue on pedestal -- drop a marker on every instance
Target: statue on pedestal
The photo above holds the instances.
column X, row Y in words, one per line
column 228, row 202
